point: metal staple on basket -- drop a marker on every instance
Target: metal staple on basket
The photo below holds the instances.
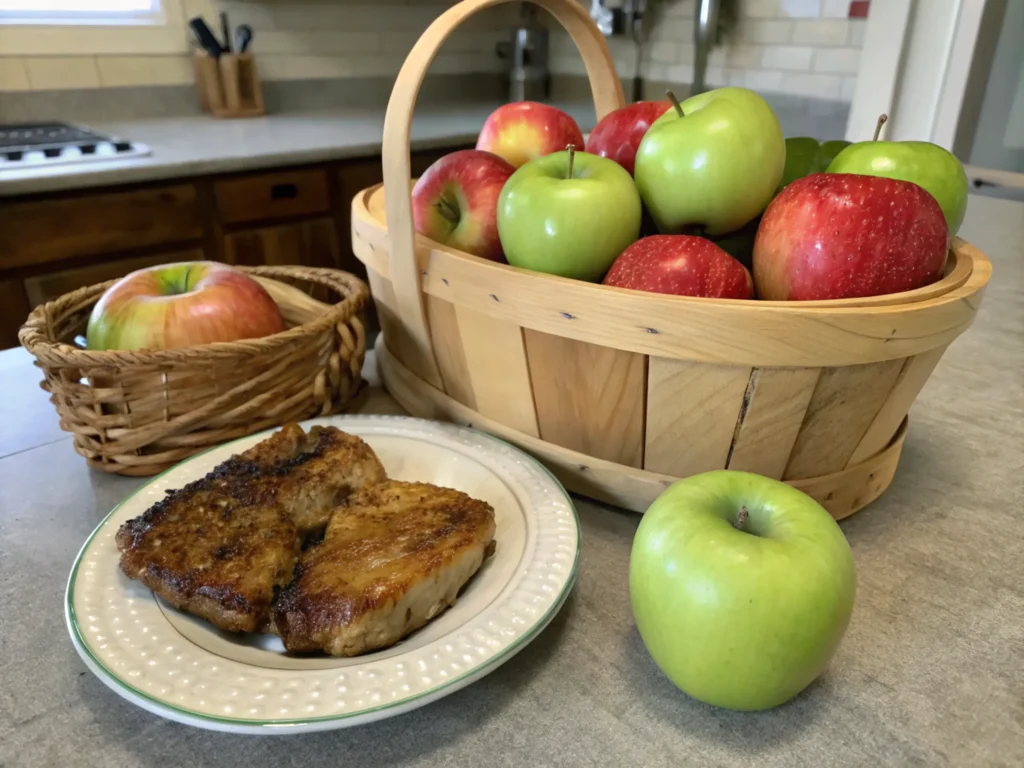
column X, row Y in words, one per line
column 139, row 412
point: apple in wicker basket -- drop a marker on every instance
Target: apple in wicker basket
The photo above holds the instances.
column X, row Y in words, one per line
column 182, row 305
column 527, row 130
column 456, row 201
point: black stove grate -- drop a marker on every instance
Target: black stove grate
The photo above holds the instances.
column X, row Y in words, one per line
column 45, row 135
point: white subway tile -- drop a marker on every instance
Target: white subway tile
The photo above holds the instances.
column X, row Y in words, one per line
column 763, row 80
column 672, row 29
column 568, row 65
column 116, row 71
column 663, row 52
column 835, row 9
column 375, row 66
column 820, row 86
column 654, row 71
column 762, row 9
column 805, row 9
column 679, row 73
column 316, row 67
column 849, row 86
column 18, row 40
column 856, row 32
column 309, row 42
column 840, row 60
column 820, row 31
column 273, row 67
column 679, row 8
column 766, row 30
column 786, row 57
column 49, row 73
column 13, row 75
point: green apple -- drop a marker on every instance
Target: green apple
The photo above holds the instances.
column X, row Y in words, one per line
column 711, row 164
column 921, row 162
column 568, row 213
column 805, row 156
column 742, row 588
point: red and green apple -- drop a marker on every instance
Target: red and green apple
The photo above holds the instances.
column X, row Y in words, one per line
column 455, row 201
column 526, row 130
column 182, row 305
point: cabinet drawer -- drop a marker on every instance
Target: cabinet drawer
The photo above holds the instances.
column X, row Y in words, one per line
column 43, row 288
column 40, row 231
column 272, row 196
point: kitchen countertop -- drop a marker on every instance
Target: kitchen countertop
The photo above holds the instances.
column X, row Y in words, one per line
column 929, row 674
column 197, row 145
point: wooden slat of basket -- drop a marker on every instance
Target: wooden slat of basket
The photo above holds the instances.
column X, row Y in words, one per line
column 588, row 398
column 844, row 403
column 776, row 402
column 842, row 493
column 692, row 409
column 499, row 375
column 912, row 378
column 607, row 91
column 446, row 342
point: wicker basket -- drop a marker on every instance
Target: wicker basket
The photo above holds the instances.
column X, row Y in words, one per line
column 622, row 392
column 140, row 412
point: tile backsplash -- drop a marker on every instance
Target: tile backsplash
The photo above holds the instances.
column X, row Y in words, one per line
column 798, row 47
column 293, row 40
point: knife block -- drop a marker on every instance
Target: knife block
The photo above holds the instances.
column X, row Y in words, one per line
column 228, row 86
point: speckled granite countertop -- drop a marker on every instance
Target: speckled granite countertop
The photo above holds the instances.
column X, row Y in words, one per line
column 190, row 146
column 929, row 674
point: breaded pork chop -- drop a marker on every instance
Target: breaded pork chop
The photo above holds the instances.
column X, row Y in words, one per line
column 307, row 474
column 391, row 560
column 206, row 554
column 221, row 546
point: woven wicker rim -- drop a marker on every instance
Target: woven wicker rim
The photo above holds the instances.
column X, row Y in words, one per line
column 35, row 335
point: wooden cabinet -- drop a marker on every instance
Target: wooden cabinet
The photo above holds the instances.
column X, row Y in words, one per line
column 312, row 243
column 52, row 244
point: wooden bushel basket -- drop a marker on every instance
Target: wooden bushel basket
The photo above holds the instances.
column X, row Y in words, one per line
column 622, row 392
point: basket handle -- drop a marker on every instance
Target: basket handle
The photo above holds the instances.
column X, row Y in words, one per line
column 607, row 91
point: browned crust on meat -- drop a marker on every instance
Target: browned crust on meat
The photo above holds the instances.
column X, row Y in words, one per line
column 221, row 546
column 205, row 554
column 387, row 540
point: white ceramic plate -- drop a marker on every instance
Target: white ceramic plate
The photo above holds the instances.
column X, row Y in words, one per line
column 185, row 669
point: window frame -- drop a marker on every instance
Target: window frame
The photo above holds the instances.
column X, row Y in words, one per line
column 154, row 14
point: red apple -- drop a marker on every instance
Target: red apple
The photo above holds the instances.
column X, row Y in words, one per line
column 683, row 265
column 182, row 305
column 526, row 130
column 840, row 236
column 456, row 201
column 618, row 134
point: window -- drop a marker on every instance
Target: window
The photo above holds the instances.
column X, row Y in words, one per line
column 80, row 11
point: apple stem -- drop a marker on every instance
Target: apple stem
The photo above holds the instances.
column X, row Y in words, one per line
column 741, row 518
column 446, row 210
column 878, row 126
column 675, row 103
column 571, row 149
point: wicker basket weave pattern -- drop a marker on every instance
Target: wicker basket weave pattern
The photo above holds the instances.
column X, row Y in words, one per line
column 139, row 412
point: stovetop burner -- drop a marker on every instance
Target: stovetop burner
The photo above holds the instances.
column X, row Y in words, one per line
column 48, row 143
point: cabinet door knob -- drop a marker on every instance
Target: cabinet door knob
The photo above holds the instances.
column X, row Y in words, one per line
column 284, row 192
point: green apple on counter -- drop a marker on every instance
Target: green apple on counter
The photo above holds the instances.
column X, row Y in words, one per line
column 568, row 213
column 921, row 162
column 742, row 588
column 805, row 156
column 712, row 163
